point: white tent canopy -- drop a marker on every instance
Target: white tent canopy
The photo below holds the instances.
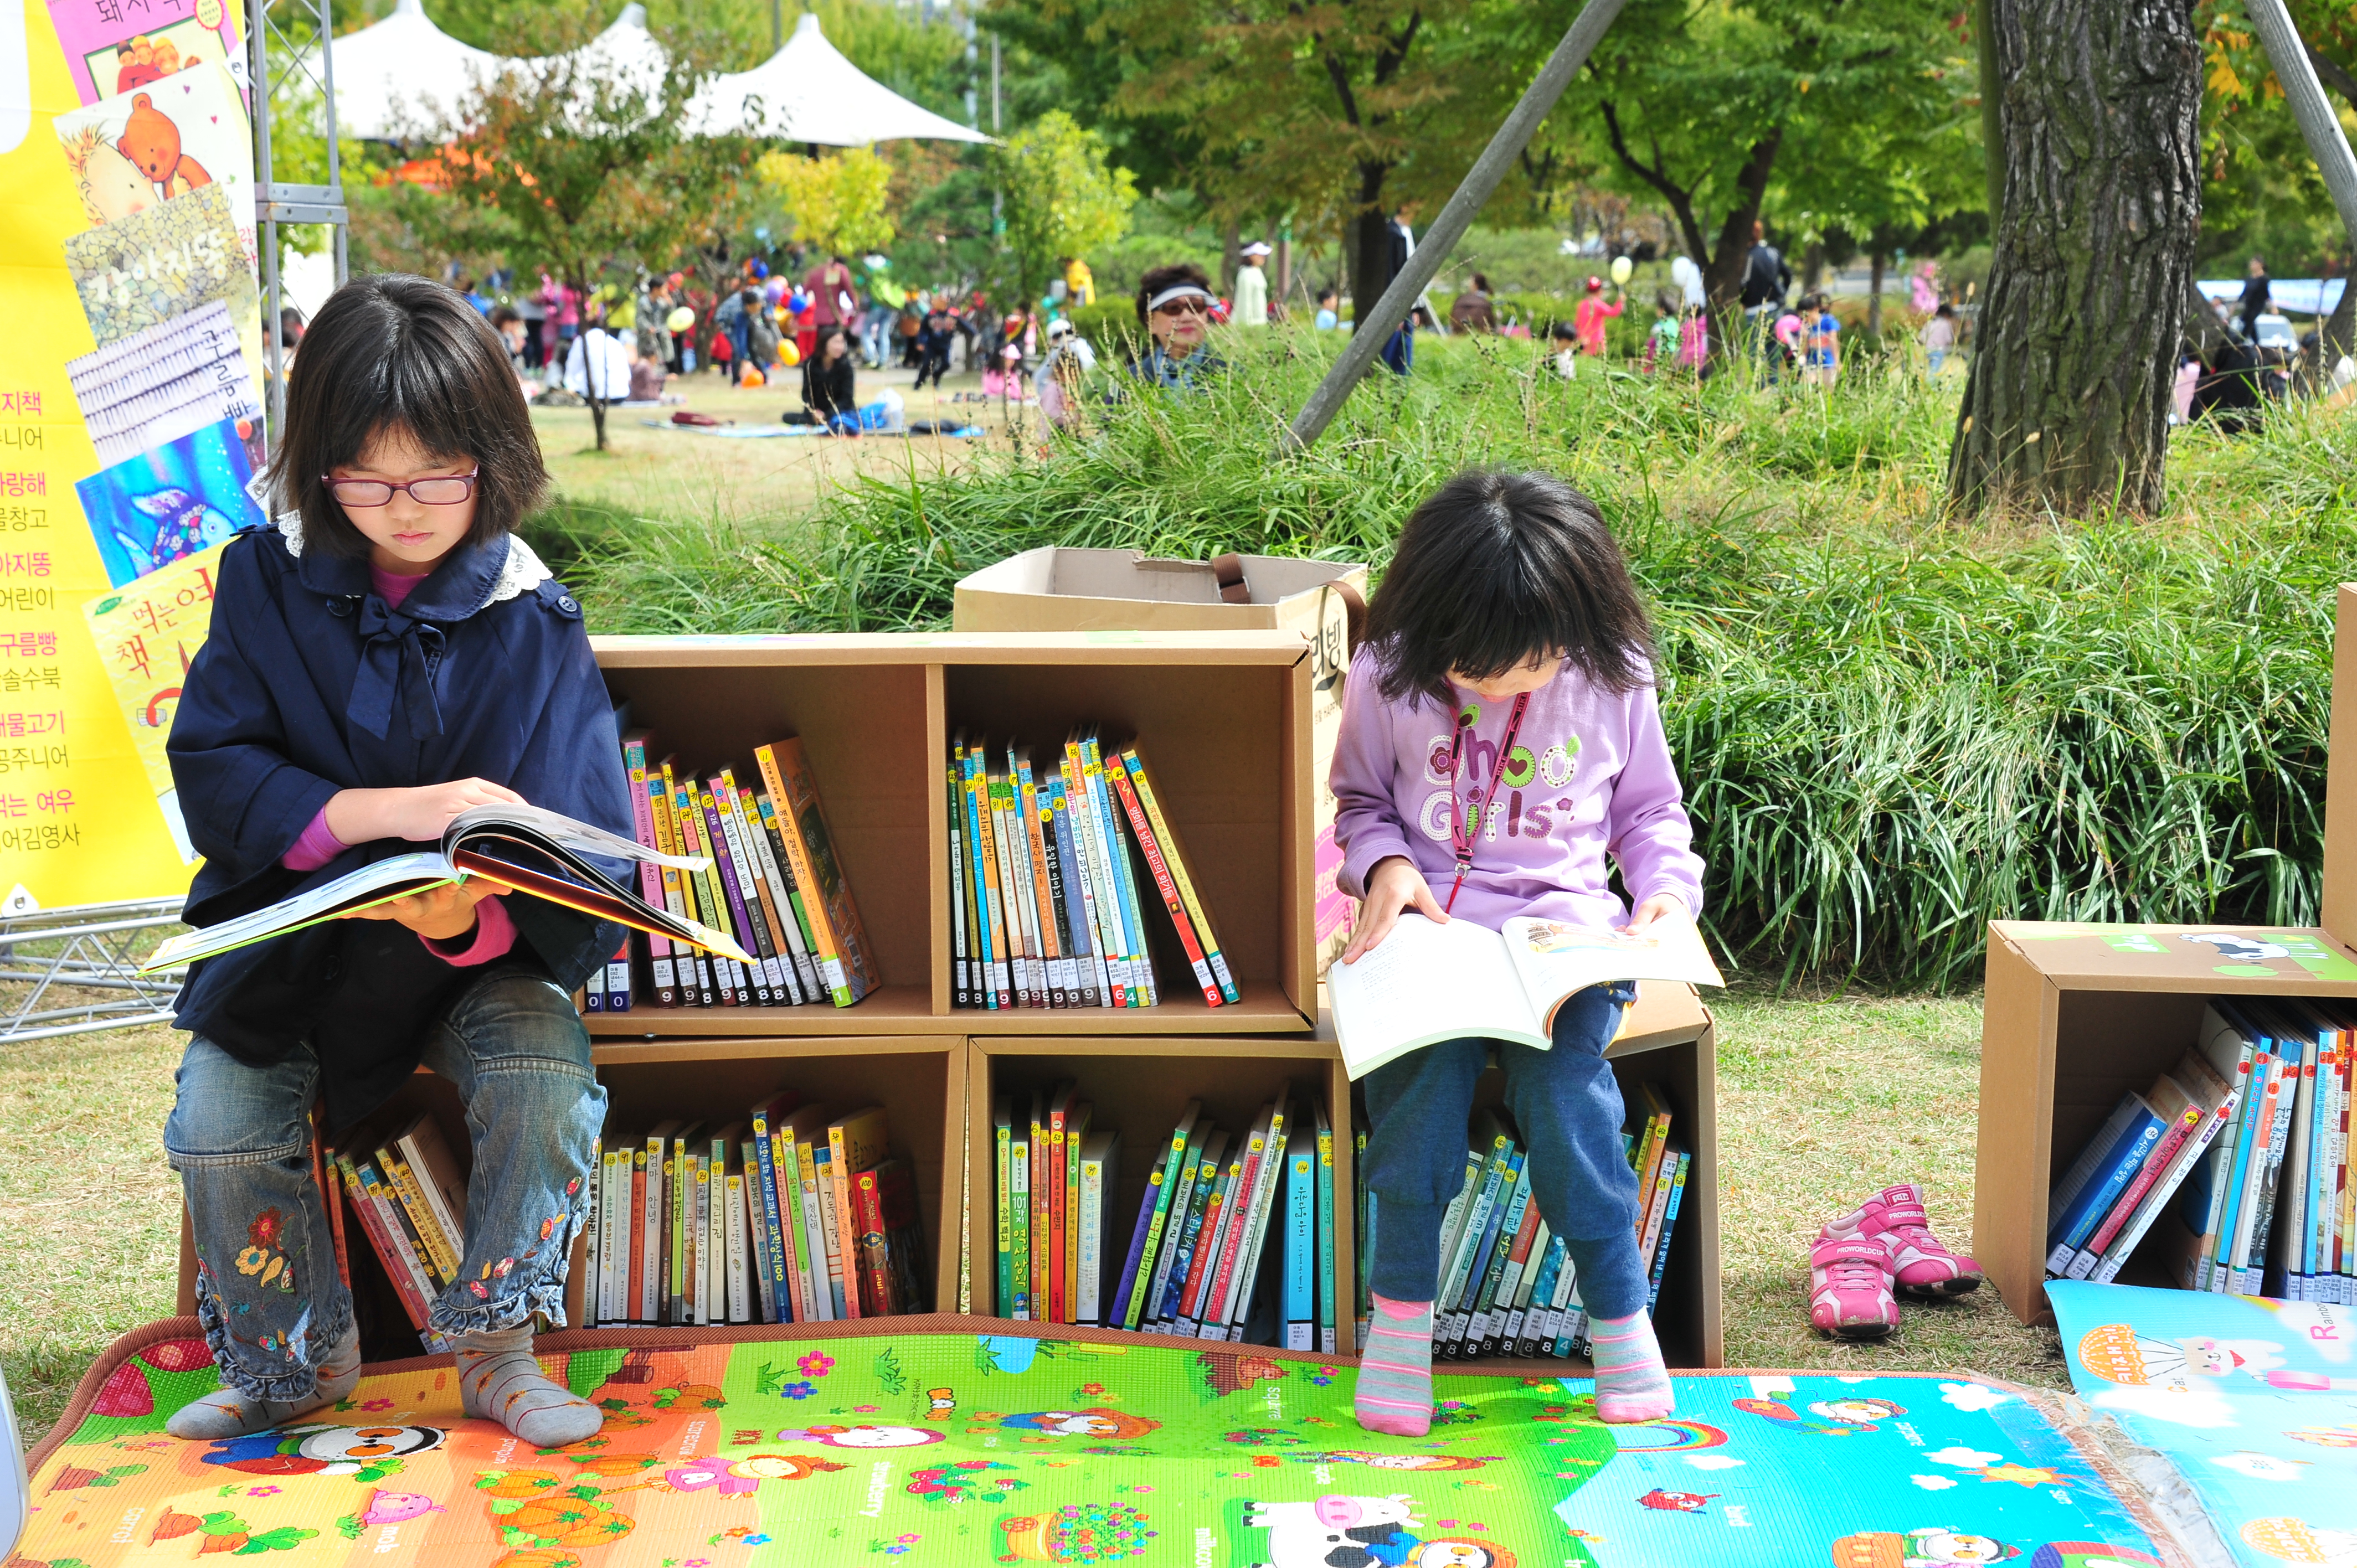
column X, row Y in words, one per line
column 625, row 54
column 404, row 63
column 809, row 92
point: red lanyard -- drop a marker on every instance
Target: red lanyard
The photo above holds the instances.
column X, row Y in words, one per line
column 1462, row 832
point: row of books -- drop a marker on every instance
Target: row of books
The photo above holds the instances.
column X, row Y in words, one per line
column 2239, row 1154
column 1234, row 1238
column 774, row 883
column 408, row 1194
column 1506, row 1286
column 1055, row 861
column 794, row 1215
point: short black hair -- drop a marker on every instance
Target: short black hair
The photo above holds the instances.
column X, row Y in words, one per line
column 1497, row 568
column 1333, row 294
column 1157, row 279
column 395, row 351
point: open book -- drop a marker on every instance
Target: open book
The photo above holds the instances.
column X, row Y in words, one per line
column 1429, row 981
column 559, row 843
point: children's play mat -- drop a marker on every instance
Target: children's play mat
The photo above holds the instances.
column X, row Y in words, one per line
column 948, row 1441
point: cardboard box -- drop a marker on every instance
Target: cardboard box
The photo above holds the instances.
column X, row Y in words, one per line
column 2077, row 1014
column 1056, row 589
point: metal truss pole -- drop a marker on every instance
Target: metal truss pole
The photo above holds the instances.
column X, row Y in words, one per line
column 282, row 40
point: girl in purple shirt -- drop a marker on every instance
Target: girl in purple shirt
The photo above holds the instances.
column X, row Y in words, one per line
column 1508, row 623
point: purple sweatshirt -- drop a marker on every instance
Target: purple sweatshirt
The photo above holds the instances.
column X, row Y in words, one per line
column 1598, row 779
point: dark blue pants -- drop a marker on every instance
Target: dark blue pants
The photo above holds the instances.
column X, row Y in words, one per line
column 1566, row 1109
column 1399, row 350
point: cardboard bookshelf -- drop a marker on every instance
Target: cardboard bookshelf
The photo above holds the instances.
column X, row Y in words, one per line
column 2076, row 1015
column 1139, row 1085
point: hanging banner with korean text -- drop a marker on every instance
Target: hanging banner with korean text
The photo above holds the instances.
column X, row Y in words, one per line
column 129, row 421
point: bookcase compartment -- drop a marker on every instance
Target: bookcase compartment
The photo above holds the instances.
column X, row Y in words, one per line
column 1227, row 746
column 1139, row 1087
column 1667, row 1039
column 863, row 725
column 919, row 1080
column 2073, row 1017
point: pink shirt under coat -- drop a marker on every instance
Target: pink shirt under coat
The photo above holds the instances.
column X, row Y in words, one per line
column 1599, row 781
column 494, row 933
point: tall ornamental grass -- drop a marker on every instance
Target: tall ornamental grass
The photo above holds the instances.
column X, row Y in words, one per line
column 1891, row 730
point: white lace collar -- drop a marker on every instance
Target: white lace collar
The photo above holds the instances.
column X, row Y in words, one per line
column 522, row 572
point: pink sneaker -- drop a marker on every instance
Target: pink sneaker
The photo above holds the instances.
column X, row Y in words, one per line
column 1923, row 1265
column 1849, row 1288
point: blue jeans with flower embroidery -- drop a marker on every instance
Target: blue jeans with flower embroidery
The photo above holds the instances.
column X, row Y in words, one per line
column 267, row 1291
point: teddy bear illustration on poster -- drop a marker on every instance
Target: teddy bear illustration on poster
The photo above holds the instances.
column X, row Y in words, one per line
column 160, row 141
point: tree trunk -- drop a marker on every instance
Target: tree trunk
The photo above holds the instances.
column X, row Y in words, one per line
column 1876, row 264
column 1369, row 245
column 1812, row 266
column 2067, row 406
column 597, row 413
column 1229, row 259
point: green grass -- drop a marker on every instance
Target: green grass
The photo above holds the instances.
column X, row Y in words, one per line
column 1892, row 729
column 90, row 1214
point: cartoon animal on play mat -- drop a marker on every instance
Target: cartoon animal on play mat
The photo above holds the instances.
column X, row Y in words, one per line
column 184, row 524
column 862, row 1436
column 2118, row 1353
column 1344, row 1531
column 1675, row 1502
column 1095, row 1422
column 319, row 1449
column 1833, row 1417
column 151, row 142
column 1937, row 1547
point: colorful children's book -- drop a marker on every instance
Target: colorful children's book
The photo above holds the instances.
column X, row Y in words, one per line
column 162, row 140
column 844, row 960
column 112, row 48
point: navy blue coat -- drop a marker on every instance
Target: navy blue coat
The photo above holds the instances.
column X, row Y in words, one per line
column 308, row 683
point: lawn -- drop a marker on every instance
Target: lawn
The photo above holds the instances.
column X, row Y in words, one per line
column 674, row 472
column 1822, row 1099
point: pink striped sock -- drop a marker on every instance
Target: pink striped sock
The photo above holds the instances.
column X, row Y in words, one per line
column 1394, row 1393
column 1632, row 1383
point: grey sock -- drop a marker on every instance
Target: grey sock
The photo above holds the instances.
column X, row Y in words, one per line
column 500, row 1380
column 225, row 1412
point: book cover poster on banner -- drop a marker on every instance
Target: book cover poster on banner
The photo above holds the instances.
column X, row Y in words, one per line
column 129, row 397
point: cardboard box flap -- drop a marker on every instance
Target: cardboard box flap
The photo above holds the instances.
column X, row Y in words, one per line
column 1098, row 589
column 2338, row 909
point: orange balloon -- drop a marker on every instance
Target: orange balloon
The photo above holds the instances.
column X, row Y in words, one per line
column 753, row 377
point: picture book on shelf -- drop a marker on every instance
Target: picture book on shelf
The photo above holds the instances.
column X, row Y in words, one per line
column 1429, row 981
column 466, row 850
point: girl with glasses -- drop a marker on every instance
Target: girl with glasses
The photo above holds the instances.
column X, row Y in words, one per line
column 387, row 656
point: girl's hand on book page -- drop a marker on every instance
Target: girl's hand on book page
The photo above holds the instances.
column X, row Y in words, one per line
column 1394, row 885
column 362, row 816
column 1660, row 906
column 439, row 913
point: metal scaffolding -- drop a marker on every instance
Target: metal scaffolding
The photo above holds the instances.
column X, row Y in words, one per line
column 277, row 50
column 79, row 965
